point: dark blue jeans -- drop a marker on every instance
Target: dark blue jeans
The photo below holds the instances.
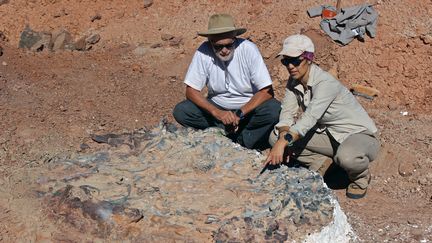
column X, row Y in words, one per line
column 254, row 129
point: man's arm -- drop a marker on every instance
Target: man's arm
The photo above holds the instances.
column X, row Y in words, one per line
column 226, row 117
column 258, row 98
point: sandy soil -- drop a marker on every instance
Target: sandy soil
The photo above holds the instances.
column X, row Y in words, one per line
column 51, row 101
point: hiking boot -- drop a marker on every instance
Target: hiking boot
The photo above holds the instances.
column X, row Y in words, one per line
column 324, row 167
column 354, row 191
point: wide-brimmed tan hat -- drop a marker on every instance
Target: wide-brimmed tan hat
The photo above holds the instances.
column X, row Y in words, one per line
column 221, row 23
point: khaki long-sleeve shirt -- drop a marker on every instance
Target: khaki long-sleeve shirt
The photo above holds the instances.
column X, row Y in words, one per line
column 325, row 103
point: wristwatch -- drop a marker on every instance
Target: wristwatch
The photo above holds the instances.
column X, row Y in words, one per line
column 239, row 113
column 289, row 138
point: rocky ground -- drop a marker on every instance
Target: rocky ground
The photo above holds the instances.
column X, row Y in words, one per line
column 51, row 101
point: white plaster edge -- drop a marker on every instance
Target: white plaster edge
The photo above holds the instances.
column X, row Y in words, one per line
column 339, row 230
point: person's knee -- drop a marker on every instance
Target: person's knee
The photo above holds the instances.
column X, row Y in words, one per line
column 351, row 161
column 179, row 112
column 274, row 107
column 271, row 109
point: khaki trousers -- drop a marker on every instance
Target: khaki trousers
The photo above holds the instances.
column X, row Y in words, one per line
column 353, row 155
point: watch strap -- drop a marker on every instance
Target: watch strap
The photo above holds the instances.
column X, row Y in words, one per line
column 239, row 113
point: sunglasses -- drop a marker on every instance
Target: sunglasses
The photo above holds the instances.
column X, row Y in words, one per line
column 218, row 47
column 295, row 61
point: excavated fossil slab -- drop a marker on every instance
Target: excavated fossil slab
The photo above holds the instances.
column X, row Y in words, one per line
column 180, row 184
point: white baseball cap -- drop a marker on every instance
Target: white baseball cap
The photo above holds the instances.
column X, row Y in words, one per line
column 295, row 45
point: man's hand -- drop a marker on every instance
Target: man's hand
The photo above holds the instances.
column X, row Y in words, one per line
column 226, row 117
column 276, row 155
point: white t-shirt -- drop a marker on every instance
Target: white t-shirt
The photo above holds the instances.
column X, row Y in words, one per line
column 229, row 86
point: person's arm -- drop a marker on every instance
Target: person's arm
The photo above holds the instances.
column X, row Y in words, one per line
column 257, row 99
column 277, row 153
column 226, row 117
column 289, row 109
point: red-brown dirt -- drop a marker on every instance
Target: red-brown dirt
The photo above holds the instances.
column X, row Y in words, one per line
column 51, row 101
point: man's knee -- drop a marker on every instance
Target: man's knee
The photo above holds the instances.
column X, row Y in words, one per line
column 271, row 109
column 180, row 111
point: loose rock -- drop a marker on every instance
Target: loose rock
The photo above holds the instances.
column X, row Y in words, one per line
column 147, row 3
column 28, row 38
column 406, row 168
column 93, row 39
column 96, row 17
column 166, row 37
column 61, row 40
column 44, row 43
column 427, row 39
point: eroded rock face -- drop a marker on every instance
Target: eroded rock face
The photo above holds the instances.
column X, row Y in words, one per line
column 180, row 184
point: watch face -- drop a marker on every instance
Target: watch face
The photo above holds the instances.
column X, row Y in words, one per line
column 288, row 137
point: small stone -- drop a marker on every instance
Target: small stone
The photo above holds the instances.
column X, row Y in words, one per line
column 211, row 219
column 176, row 41
column 80, row 44
column 4, row 63
column 166, row 37
column 406, row 168
column 61, row 39
column 136, row 68
column 392, row 106
column 147, row 3
column 96, row 17
column 156, row 45
column 28, row 38
column 140, row 51
column 61, row 13
column 93, row 39
column 84, row 146
column 124, row 45
column 3, row 37
column 427, row 39
column 423, row 181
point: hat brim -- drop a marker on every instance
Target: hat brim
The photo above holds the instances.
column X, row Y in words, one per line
column 236, row 31
column 290, row 53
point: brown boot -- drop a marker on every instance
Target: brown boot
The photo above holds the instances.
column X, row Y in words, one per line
column 354, row 191
column 324, row 167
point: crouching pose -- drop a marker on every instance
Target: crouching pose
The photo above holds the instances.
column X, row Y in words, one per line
column 321, row 122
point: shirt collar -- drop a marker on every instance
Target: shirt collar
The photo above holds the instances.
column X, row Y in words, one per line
column 312, row 81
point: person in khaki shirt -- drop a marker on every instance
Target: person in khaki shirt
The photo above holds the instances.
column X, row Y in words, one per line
column 332, row 126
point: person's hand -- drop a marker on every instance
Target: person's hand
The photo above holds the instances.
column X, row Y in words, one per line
column 276, row 155
column 227, row 117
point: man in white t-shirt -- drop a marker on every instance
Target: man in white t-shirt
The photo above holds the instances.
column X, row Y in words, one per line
column 240, row 94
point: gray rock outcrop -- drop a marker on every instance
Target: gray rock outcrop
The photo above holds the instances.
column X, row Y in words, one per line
column 186, row 185
column 56, row 40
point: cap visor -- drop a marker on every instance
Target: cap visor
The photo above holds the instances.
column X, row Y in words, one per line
column 290, row 53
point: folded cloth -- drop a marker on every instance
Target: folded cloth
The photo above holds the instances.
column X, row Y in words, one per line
column 349, row 23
